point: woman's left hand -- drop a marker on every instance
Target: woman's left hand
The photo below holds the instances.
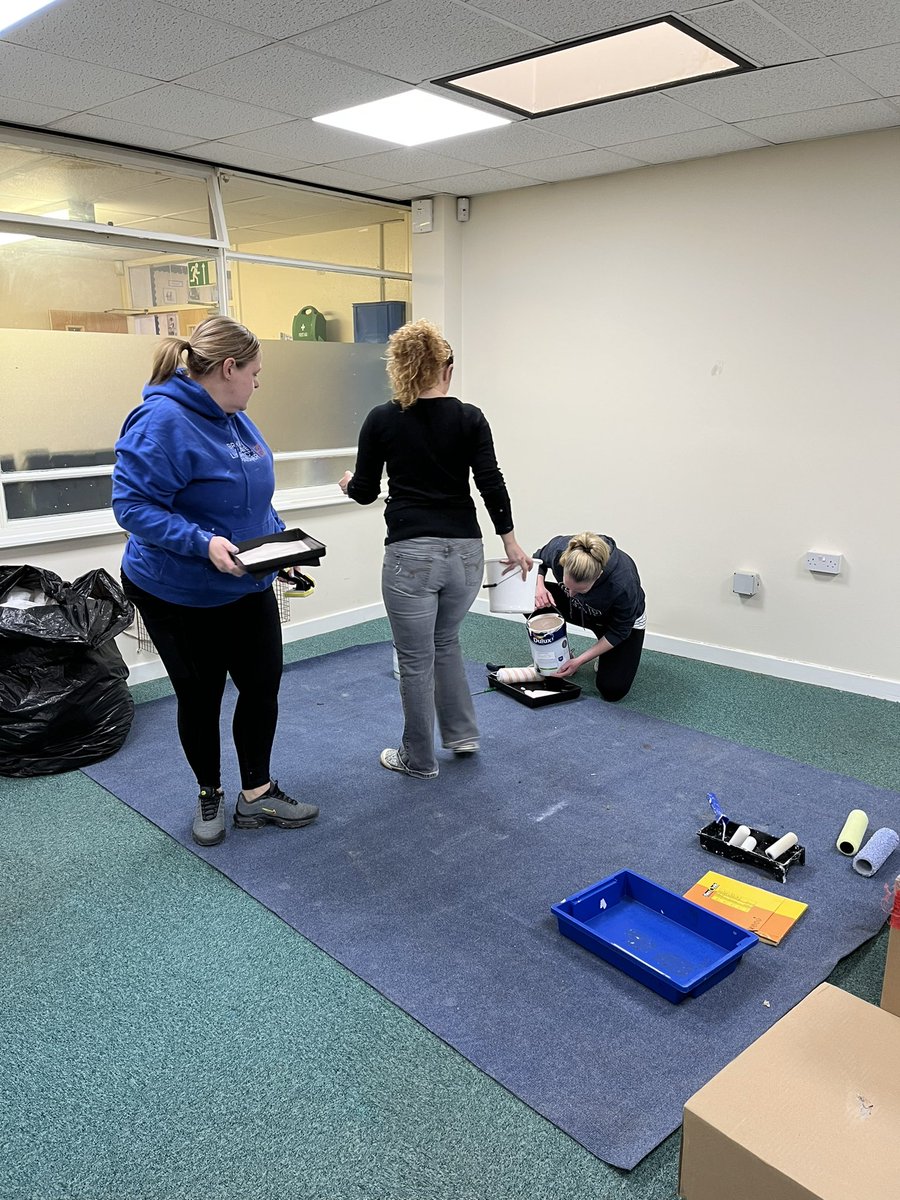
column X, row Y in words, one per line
column 568, row 668
column 221, row 554
column 344, row 481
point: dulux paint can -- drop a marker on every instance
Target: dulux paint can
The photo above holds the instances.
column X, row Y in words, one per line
column 549, row 640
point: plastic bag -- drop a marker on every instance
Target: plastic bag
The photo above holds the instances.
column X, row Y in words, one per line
column 64, row 698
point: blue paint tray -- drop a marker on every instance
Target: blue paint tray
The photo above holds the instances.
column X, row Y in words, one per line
column 656, row 936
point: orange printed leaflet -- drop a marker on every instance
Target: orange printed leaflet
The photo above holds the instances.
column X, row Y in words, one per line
column 766, row 914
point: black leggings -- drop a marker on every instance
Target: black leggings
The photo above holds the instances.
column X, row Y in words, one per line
column 200, row 648
column 616, row 668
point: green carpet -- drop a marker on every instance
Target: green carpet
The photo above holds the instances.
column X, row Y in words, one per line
column 165, row 1036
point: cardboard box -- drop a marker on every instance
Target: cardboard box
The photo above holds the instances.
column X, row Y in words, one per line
column 890, row 989
column 810, row 1111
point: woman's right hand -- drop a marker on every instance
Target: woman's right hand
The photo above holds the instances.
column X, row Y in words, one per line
column 542, row 598
column 515, row 556
column 220, row 555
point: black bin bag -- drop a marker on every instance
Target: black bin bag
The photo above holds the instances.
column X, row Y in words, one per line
column 64, row 698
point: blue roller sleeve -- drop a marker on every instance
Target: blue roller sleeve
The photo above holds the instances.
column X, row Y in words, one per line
column 877, row 850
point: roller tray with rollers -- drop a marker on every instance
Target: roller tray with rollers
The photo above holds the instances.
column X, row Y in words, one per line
column 561, row 689
column 715, row 839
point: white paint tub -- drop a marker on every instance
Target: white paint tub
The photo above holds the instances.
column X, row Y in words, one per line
column 507, row 591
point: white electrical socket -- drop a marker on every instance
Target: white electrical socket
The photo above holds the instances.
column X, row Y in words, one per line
column 824, row 564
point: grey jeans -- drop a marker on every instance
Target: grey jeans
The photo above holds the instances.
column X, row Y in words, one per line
column 428, row 585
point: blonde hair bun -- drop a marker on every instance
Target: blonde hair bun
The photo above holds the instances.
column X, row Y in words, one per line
column 585, row 557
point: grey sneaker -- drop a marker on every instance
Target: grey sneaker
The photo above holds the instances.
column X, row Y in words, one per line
column 275, row 808
column 463, row 749
column 393, row 761
column 209, row 823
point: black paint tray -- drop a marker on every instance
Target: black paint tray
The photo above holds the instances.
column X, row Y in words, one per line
column 562, row 690
column 295, row 549
column 714, row 837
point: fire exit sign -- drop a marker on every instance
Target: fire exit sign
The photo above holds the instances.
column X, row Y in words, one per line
column 198, row 273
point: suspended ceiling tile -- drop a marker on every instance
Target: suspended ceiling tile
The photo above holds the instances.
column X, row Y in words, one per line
column 165, row 41
column 122, row 132
column 836, row 25
column 406, row 165
column 775, row 90
column 477, row 183
column 275, row 18
column 312, row 143
column 181, row 110
column 26, row 113
column 579, row 166
column 400, row 191
column 575, row 18
column 880, row 68
column 516, row 143
column 31, row 76
column 347, row 180
column 744, row 28
column 628, row 120
column 700, row 143
column 226, row 154
column 826, row 122
column 413, row 41
column 288, row 79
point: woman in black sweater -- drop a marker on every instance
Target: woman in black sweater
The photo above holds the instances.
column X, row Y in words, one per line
column 434, row 557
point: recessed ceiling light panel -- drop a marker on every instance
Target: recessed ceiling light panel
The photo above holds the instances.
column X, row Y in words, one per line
column 412, row 118
column 644, row 58
column 14, row 11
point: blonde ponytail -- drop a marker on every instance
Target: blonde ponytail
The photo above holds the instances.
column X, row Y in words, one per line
column 416, row 355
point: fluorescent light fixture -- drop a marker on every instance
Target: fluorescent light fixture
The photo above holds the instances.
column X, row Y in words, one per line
column 13, row 11
column 643, row 58
column 412, row 118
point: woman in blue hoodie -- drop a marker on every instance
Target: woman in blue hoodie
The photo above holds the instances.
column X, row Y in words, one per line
column 193, row 476
column 599, row 588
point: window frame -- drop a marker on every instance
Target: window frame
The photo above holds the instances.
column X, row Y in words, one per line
column 28, row 531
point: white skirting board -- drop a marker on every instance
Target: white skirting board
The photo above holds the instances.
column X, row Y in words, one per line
column 153, row 669
column 745, row 660
column 723, row 656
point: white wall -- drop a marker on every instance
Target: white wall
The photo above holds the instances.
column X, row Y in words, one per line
column 700, row 359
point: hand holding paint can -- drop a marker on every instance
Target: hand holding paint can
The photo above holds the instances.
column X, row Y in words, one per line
column 549, row 640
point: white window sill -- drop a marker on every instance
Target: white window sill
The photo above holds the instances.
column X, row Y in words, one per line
column 37, row 531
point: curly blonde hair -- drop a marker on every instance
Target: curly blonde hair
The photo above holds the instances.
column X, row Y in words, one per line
column 585, row 557
column 214, row 340
column 416, row 355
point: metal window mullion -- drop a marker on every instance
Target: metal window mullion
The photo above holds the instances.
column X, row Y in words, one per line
column 106, row 235
column 303, row 264
column 40, row 474
column 293, row 455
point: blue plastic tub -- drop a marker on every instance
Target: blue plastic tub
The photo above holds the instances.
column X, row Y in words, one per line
column 656, row 936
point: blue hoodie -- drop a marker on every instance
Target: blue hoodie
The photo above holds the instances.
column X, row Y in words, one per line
column 186, row 471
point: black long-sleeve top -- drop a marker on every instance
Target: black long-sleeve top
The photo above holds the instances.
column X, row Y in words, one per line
column 429, row 450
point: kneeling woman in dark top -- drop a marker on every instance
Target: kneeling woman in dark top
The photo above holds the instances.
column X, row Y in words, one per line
column 434, row 558
column 599, row 588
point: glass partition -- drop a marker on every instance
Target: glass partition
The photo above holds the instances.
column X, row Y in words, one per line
column 45, row 183
column 67, row 375
column 287, row 222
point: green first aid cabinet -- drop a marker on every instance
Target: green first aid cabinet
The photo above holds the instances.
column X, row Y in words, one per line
column 375, row 322
column 309, row 325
